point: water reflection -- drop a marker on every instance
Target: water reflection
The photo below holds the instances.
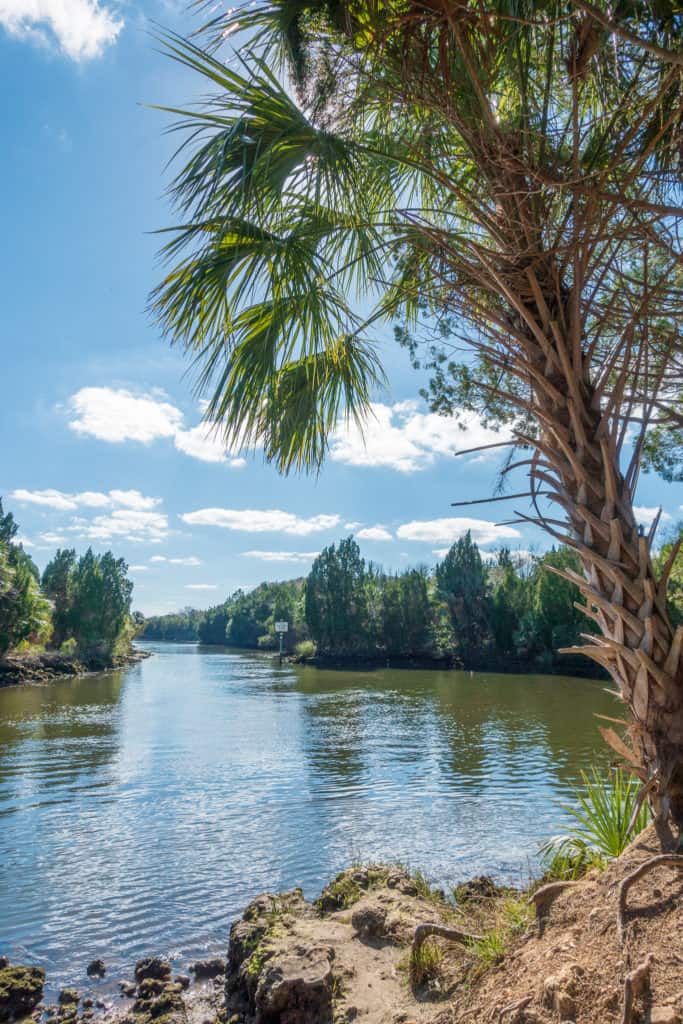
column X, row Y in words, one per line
column 140, row 810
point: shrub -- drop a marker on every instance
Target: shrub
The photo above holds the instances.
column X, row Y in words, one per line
column 305, row 649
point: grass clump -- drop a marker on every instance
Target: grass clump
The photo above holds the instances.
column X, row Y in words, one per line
column 513, row 917
column 605, row 823
column 425, row 963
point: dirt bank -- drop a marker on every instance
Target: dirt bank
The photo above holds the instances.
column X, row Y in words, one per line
column 18, row 669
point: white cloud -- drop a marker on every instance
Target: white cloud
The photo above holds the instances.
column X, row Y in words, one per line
column 201, row 586
column 203, row 442
column 63, row 502
column 449, row 530
column 133, row 499
column 52, row 538
column 352, row 526
column 260, row 520
column 116, row 415
column 133, row 524
column 282, row 556
column 138, row 568
column 402, row 438
column 24, row 541
column 646, row 514
column 374, row 533
column 82, row 29
column 49, row 497
column 190, row 560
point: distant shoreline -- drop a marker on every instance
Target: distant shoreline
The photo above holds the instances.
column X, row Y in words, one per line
column 564, row 665
column 49, row 666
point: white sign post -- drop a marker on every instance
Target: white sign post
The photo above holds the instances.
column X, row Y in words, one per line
column 281, row 628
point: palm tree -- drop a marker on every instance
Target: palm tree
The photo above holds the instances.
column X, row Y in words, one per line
column 506, row 170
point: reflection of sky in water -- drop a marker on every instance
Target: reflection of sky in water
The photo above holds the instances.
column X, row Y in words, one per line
column 139, row 811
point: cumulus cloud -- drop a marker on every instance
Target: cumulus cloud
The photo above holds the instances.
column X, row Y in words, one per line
column 352, row 526
column 446, row 531
column 282, row 556
column 117, row 415
column 24, row 541
column 201, row 586
column 190, row 560
column 374, row 533
column 260, row 520
column 645, row 515
column 133, row 524
column 63, row 502
column 204, row 443
column 401, row 437
column 80, row 29
column 138, row 568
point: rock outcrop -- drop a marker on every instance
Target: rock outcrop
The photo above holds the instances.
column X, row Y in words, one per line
column 21, row 990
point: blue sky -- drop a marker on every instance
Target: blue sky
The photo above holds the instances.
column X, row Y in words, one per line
column 103, row 442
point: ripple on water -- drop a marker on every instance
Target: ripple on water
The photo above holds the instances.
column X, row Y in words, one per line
column 140, row 810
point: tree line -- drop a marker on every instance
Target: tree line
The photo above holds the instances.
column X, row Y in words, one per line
column 471, row 610
column 79, row 606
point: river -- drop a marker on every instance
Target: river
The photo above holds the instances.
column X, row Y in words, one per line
column 140, row 810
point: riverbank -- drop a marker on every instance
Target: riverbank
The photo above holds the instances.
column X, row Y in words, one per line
column 489, row 955
column 46, row 666
column 563, row 665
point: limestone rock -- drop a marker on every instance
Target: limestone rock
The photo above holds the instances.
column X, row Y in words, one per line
column 370, row 922
column 296, row 989
column 560, row 991
column 21, row 989
column 68, row 996
column 152, row 967
column 664, row 1015
column 208, row 968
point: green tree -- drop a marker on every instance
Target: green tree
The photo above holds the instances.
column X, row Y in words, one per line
column 24, row 612
column 58, row 585
column 462, row 582
column 336, row 600
column 100, row 605
column 509, row 602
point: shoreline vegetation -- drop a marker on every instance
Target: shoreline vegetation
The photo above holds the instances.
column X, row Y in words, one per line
column 73, row 619
column 493, row 611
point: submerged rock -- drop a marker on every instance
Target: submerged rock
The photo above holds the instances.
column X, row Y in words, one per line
column 68, row 995
column 21, row 989
column 96, row 969
column 208, row 968
column 152, row 967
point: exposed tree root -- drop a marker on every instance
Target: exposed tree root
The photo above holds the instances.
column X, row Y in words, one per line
column 544, row 897
column 636, row 983
column 515, row 1008
column 671, row 860
column 423, row 932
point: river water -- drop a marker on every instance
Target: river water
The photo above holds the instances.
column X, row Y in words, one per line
column 140, row 810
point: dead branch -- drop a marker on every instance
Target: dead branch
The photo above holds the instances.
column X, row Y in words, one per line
column 670, row 860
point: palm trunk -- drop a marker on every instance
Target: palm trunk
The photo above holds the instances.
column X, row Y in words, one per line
column 577, row 455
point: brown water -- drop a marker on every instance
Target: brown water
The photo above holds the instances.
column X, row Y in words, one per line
column 140, row 810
